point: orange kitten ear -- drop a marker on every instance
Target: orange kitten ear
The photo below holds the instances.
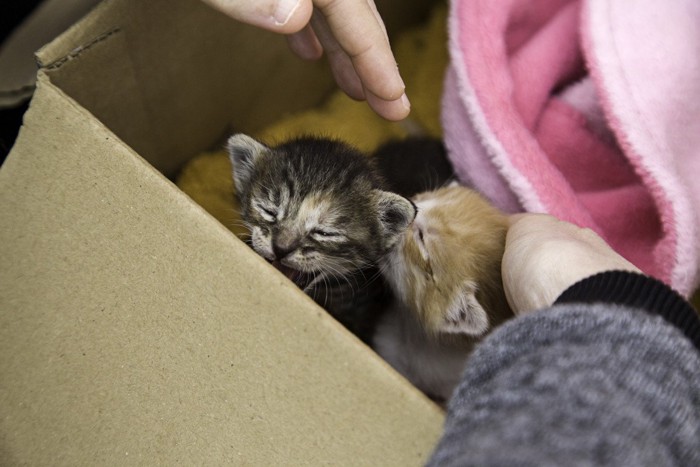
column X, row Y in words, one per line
column 243, row 151
column 465, row 315
column 395, row 214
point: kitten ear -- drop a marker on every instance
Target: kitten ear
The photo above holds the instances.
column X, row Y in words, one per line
column 395, row 214
column 243, row 152
column 465, row 315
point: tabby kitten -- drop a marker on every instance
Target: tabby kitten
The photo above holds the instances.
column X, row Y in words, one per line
column 445, row 271
column 317, row 210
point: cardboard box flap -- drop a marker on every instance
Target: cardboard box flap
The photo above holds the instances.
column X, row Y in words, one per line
column 184, row 57
column 211, row 73
column 136, row 329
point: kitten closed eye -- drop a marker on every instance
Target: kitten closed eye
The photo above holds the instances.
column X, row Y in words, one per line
column 325, row 199
column 325, row 234
column 270, row 215
column 420, row 242
column 446, row 273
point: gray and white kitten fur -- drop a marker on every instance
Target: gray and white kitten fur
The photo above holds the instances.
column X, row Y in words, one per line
column 317, row 210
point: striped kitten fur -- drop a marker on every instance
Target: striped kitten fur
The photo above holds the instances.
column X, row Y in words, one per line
column 317, row 210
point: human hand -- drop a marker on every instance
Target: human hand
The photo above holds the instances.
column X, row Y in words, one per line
column 351, row 33
column 544, row 256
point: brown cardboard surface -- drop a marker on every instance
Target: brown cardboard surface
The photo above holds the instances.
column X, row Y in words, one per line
column 48, row 19
column 209, row 72
column 176, row 75
column 136, row 329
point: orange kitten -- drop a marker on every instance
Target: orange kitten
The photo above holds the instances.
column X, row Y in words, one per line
column 446, row 273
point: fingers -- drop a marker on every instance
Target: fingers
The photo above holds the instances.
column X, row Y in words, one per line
column 352, row 34
column 393, row 110
column 544, row 256
column 357, row 31
column 522, row 264
column 305, row 44
column 281, row 16
column 354, row 37
column 340, row 63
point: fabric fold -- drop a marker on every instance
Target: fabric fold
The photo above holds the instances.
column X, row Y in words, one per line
column 588, row 110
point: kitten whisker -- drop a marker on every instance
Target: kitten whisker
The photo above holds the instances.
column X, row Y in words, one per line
column 377, row 274
column 337, row 276
column 235, row 213
column 360, row 268
column 237, row 223
column 313, row 282
column 339, row 288
column 365, row 281
column 289, row 195
column 355, row 265
column 326, row 288
column 383, row 267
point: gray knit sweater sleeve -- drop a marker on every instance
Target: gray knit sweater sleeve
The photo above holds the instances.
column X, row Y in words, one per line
column 603, row 383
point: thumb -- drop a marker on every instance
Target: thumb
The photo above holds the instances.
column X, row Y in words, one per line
column 282, row 16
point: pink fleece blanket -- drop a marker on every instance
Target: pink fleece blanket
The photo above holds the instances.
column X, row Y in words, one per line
column 588, row 110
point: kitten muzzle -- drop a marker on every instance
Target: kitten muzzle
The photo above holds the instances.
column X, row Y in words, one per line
column 300, row 278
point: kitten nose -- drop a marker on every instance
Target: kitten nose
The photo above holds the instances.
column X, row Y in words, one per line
column 281, row 251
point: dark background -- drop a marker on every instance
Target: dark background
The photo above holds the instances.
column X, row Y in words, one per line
column 13, row 12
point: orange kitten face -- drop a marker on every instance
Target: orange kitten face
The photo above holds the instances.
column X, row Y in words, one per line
column 446, row 267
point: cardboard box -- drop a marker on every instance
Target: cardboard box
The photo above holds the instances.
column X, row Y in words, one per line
column 136, row 329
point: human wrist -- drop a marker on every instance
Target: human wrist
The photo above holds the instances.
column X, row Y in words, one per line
column 639, row 291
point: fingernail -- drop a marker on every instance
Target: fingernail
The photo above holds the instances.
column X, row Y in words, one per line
column 403, row 85
column 285, row 10
column 406, row 103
